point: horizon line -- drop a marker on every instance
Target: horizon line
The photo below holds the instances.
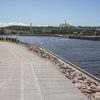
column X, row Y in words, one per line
column 24, row 24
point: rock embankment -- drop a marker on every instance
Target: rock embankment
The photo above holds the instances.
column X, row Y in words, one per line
column 90, row 88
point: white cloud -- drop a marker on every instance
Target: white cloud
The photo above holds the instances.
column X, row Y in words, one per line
column 12, row 23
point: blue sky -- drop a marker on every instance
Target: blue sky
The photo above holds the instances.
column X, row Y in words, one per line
column 51, row 12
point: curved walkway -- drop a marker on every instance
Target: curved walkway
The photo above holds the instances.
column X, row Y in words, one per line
column 26, row 76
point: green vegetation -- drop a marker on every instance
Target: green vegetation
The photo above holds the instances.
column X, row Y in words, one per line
column 39, row 34
column 4, row 40
column 2, row 31
column 50, row 30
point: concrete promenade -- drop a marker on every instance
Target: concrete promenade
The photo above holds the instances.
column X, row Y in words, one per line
column 26, row 76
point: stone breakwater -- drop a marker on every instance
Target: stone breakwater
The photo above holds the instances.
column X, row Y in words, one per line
column 89, row 87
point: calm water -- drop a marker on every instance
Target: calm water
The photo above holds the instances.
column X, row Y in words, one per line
column 84, row 53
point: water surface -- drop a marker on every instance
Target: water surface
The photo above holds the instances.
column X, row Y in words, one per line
column 84, row 53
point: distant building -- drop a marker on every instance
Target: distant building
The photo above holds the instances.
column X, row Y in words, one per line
column 98, row 31
column 50, row 30
column 46, row 30
column 65, row 25
column 88, row 32
column 66, row 28
column 7, row 31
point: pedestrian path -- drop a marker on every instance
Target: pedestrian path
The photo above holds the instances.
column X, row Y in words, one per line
column 26, row 76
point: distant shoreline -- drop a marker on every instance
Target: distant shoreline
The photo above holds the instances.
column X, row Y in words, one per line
column 39, row 35
column 95, row 38
column 68, row 36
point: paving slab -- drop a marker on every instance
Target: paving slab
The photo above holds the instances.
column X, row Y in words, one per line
column 26, row 76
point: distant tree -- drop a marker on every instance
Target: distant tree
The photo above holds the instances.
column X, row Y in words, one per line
column 2, row 31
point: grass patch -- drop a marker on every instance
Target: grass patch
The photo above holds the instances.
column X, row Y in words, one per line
column 39, row 35
column 4, row 40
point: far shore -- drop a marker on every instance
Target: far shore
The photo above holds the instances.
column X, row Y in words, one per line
column 69, row 36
